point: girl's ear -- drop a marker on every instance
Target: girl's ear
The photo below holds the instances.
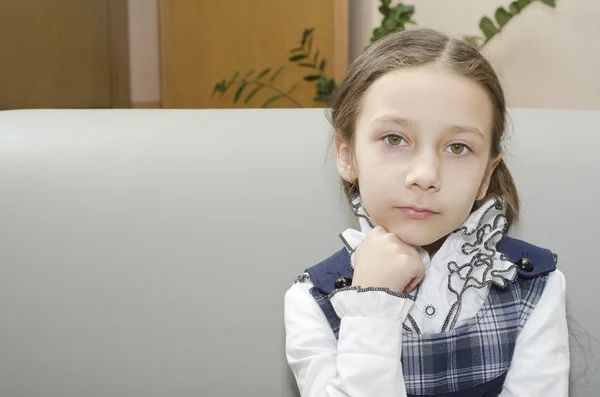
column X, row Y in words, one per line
column 485, row 184
column 344, row 158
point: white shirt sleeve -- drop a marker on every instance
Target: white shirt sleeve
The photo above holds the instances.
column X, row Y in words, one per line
column 540, row 364
column 364, row 362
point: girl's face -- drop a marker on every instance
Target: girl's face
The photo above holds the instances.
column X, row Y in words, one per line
column 421, row 151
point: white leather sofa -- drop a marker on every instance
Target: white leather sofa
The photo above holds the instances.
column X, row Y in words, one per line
column 146, row 253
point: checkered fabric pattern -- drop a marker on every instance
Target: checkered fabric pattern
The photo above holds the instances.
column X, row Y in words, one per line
column 475, row 353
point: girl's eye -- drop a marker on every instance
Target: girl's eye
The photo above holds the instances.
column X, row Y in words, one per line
column 458, row 148
column 394, row 140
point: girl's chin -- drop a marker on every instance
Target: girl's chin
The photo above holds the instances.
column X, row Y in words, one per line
column 429, row 240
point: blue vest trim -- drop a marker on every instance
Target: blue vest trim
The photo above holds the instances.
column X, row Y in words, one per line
column 324, row 274
column 544, row 261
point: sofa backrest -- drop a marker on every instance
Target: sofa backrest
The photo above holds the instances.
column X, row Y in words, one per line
column 147, row 252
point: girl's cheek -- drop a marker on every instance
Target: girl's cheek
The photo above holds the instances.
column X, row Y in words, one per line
column 461, row 173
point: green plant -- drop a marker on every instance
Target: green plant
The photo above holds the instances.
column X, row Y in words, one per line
column 394, row 19
column 502, row 16
column 302, row 56
column 259, row 82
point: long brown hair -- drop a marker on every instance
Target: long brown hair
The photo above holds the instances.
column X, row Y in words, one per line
column 418, row 47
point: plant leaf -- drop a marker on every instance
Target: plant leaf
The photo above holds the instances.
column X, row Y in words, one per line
column 309, row 46
column 322, row 65
column 235, row 76
column 239, row 91
column 296, row 50
column 377, row 34
column 312, row 77
column 551, row 3
column 297, row 57
column 219, row 87
column 523, row 3
column 276, row 73
column 322, row 85
column 270, row 101
column 388, row 22
column 514, row 8
column 502, row 16
column 384, row 9
column 263, row 73
column 487, row 27
column 249, row 74
column 398, row 16
column 252, row 93
column 292, row 88
column 305, row 35
column 307, row 65
column 407, row 9
column 325, row 87
column 316, row 56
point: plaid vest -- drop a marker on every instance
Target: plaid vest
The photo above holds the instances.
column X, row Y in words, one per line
column 472, row 359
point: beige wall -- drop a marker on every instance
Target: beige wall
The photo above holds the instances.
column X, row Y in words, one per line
column 546, row 58
column 144, row 52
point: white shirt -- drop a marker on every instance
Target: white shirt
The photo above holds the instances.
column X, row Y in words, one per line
column 365, row 360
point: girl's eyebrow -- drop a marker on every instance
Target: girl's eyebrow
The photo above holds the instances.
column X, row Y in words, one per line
column 459, row 129
column 391, row 119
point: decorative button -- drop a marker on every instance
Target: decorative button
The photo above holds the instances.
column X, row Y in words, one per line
column 525, row 264
column 429, row 311
column 343, row 282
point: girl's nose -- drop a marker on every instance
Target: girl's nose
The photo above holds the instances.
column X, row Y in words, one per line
column 424, row 173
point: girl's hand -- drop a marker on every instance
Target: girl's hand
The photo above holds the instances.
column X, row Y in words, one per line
column 383, row 260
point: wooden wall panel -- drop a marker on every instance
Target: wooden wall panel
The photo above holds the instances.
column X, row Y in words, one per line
column 63, row 54
column 205, row 41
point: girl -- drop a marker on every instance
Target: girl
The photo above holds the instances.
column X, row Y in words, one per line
column 430, row 297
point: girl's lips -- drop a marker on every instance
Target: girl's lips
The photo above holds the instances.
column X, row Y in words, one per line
column 417, row 213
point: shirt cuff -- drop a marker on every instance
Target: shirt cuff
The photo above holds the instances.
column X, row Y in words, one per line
column 370, row 302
